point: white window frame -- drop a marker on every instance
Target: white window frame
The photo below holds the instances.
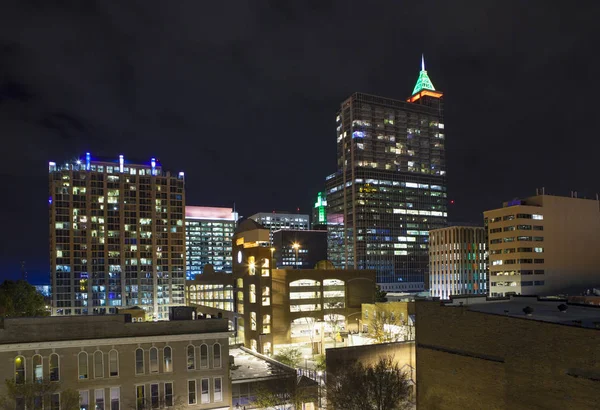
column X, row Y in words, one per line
column 187, row 358
column 205, row 366
column 24, row 368
column 87, row 366
column 109, row 372
column 101, row 364
column 118, row 390
column 57, row 365
column 51, row 396
column 143, row 386
column 87, row 395
column 165, row 370
column 219, row 364
column 96, row 396
column 35, row 379
column 205, row 398
column 155, row 349
column 136, row 361
column 218, row 398
column 172, row 393
column 195, row 392
column 157, row 395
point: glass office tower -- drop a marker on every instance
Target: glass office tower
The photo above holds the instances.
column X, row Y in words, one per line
column 116, row 237
column 208, row 235
column 390, row 187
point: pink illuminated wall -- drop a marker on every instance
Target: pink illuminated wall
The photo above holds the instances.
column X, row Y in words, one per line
column 209, row 212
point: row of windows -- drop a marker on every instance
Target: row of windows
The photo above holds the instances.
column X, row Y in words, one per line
column 513, row 261
column 518, row 238
column 517, row 216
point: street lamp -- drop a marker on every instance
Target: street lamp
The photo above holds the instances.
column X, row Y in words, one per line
column 296, row 246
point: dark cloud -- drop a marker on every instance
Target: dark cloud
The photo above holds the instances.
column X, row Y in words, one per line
column 242, row 95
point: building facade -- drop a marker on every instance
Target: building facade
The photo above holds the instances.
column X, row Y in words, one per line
column 117, row 236
column 275, row 221
column 116, row 364
column 208, row 234
column 280, row 306
column 474, row 354
column 299, row 249
column 319, row 216
column 390, row 186
column 543, row 245
column 458, row 261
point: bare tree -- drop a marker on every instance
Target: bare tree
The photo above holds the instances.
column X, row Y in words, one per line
column 332, row 319
column 380, row 386
column 382, row 325
column 38, row 395
column 174, row 403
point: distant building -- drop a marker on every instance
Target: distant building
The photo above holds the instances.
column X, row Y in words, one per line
column 319, row 216
column 544, row 245
column 457, row 261
column 336, row 247
column 275, row 221
column 280, row 306
column 474, row 353
column 208, row 233
column 390, row 185
column 117, row 236
column 116, row 364
column 299, row 249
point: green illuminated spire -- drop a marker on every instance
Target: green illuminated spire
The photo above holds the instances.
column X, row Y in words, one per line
column 423, row 83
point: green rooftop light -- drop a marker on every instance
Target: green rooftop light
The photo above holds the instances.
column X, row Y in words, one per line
column 423, row 83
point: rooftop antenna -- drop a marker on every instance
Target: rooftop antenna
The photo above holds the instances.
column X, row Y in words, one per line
column 422, row 62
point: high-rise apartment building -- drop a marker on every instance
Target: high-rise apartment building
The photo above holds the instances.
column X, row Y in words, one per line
column 457, row 261
column 208, row 235
column 390, row 186
column 275, row 221
column 117, row 236
column 300, row 249
column 544, row 245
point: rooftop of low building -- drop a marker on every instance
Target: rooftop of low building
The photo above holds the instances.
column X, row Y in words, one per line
column 545, row 309
column 249, row 365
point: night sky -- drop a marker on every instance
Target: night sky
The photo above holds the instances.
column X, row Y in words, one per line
column 242, row 96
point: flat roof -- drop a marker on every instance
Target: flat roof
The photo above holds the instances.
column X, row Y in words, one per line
column 249, row 365
column 543, row 310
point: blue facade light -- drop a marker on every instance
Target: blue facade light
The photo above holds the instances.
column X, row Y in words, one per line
column 121, row 163
column 88, row 160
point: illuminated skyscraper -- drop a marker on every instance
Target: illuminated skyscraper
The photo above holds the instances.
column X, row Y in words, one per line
column 117, row 237
column 208, row 235
column 390, row 186
column 275, row 221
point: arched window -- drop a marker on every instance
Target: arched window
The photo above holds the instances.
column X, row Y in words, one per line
column 191, row 357
column 98, row 364
column 216, row 355
column 19, row 370
column 38, row 368
column 113, row 363
column 203, row 356
column 82, row 361
column 54, row 368
column 168, row 359
column 154, row 360
column 139, row 361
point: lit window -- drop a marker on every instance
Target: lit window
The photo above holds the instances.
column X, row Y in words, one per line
column 115, row 398
column 217, row 389
column 538, row 217
column 84, row 400
column 154, row 360
column 99, row 399
column 38, row 368
column 167, row 360
column 19, row 370
column 140, row 397
column 252, row 320
column 252, row 293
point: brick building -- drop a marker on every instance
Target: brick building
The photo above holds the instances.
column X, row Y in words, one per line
column 116, row 364
column 474, row 353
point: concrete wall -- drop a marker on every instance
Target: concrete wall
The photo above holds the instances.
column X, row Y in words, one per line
column 472, row 360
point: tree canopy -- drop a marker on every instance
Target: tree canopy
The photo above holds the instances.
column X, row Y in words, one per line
column 380, row 386
column 290, row 356
column 380, row 295
column 20, row 299
column 40, row 394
